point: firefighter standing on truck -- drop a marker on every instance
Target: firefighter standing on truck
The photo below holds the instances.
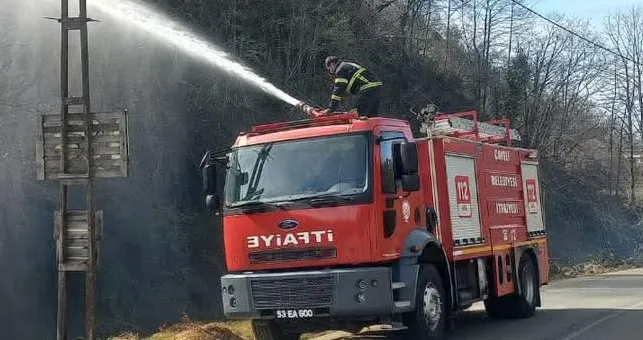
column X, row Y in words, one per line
column 351, row 78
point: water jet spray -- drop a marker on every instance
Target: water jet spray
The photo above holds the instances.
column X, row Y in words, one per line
column 169, row 31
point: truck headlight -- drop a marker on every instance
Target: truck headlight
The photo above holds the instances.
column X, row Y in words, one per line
column 361, row 284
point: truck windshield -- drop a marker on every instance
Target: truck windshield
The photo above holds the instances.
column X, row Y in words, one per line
column 296, row 170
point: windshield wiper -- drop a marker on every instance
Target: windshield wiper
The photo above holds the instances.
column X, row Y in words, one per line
column 253, row 205
column 247, row 204
column 322, row 198
column 332, row 198
column 314, row 200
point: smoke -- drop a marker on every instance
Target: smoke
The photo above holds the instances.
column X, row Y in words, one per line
column 160, row 253
column 25, row 224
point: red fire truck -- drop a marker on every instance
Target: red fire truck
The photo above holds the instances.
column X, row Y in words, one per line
column 343, row 220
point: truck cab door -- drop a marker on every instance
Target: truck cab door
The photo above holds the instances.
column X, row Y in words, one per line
column 396, row 210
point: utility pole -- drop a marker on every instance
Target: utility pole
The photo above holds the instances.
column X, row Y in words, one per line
column 74, row 147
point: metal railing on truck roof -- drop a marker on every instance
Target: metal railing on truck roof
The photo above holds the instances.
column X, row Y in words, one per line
column 342, row 118
column 453, row 125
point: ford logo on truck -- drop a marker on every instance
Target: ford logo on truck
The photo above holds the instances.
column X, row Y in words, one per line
column 288, row 224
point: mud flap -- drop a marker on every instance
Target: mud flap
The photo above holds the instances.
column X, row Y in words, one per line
column 406, row 272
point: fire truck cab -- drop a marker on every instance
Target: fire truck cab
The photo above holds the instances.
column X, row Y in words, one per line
column 345, row 221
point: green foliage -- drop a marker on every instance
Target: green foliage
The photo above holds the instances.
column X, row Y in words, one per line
column 518, row 79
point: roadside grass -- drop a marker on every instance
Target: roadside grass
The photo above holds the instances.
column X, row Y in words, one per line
column 602, row 263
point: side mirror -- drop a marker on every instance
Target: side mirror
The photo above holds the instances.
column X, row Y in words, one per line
column 209, row 179
column 405, row 156
column 411, row 183
column 409, row 158
column 212, row 202
column 210, row 187
column 209, row 173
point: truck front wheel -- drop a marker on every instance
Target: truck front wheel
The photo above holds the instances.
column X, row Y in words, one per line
column 270, row 330
column 428, row 320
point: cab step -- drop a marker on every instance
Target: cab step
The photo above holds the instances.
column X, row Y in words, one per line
column 402, row 304
column 398, row 285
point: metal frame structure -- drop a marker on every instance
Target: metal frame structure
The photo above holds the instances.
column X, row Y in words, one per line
column 75, row 147
column 457, row 125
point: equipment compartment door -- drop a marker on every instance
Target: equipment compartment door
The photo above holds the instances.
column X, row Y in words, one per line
column 533, row 208
column 463, row 200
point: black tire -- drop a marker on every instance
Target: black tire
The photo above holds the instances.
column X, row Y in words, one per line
column 418, row 327
column 270, row 330
column 496, row 307
column 518, row 306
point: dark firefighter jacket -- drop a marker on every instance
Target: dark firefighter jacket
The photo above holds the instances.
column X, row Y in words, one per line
column 350, row 78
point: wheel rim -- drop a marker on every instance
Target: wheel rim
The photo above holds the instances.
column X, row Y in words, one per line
column 432, row 308
column 528, row 283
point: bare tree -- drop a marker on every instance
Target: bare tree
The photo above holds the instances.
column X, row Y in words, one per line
column 624, row 30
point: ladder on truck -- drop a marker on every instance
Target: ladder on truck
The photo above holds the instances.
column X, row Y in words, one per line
column 458, row 125
column 73, row 147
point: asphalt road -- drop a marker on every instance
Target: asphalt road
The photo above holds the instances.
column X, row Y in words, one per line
column 602, row 307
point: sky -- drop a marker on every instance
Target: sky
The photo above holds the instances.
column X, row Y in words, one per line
column 594, row 10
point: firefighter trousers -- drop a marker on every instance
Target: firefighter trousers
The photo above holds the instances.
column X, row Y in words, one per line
column 368, row 102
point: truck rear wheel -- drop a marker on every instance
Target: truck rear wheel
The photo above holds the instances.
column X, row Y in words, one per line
column 518, row 305
column 270, row 330
column 428, row 320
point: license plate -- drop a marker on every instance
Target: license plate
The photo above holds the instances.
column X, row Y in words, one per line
column 294, row 313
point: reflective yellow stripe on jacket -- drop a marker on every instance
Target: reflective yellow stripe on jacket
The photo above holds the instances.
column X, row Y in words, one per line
column 352, row 81
column 370, row 85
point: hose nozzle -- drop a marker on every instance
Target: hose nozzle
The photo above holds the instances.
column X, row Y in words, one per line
column 313, row 111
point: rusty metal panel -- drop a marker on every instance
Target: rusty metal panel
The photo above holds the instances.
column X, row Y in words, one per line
column 109, row 146
column 74, row 238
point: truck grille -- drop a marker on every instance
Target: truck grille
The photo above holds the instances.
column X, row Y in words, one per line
column 286, row 255
column 310, row 292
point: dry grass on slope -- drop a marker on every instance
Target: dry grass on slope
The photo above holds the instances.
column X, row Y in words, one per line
column 192, row 330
